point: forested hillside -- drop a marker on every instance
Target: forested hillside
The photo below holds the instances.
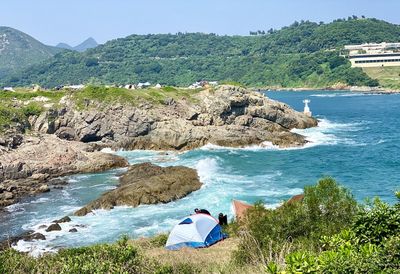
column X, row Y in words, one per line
column 19, row 50
column 305, row 54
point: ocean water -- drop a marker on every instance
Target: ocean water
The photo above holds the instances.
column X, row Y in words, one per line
column 356, row 142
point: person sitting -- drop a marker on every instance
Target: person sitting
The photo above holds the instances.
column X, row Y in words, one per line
column 203, row 211
column 222, row 219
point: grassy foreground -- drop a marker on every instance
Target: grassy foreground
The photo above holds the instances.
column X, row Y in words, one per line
column 327, row 232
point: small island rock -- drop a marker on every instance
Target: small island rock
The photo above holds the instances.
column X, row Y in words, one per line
column 147, row 184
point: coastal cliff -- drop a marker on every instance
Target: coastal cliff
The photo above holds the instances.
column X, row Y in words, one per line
column 65, row 136
column 227, row 116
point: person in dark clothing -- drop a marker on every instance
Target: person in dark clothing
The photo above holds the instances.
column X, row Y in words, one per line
column 204, row 211
column 222, row 219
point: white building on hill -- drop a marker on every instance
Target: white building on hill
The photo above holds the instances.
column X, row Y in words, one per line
column 374, row 55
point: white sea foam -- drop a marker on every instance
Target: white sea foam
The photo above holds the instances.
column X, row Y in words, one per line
column 207, row 168
column 326, row 133
column 34, row 248
column 107, row 150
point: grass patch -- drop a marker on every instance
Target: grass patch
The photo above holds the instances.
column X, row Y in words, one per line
column 133, row 97
column 25, row 94
column 388, row 77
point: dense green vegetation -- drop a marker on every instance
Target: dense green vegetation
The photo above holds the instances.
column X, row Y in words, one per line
column 305, row 54
column 327, row 232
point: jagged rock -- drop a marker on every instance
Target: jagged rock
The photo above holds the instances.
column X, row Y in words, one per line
column 227, row 116
column 157, row 126
column 243, row 120
column 35, row 236
column 66, row 133
column 63, row 220
column 147, row 184
column 26, row 236
column 39, row 176
column 7, row 195
column 43, row 188
column 73, row 230
column 27, row 169
column 58, row 181
column 169, row 101
column 53, row 227
column 11, row 188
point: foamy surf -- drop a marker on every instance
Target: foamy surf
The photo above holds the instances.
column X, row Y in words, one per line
column 326, row 133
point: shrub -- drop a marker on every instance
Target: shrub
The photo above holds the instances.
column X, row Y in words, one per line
column 104, row 258
column 378, row 222
column 370, row 245
column 32, row 109
column 159, row 240
column 269, row 235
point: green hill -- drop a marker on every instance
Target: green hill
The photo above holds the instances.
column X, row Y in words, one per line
column 19, row 50
column 305, row 54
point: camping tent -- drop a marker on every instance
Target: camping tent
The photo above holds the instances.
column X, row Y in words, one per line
column 198, row 230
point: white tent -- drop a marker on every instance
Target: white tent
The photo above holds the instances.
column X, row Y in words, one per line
column 198, row 230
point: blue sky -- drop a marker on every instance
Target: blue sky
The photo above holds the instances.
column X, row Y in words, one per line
column 72, row 21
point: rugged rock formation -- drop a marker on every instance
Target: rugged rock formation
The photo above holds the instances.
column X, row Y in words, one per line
column 229, row 116
column 63, row 140
column 147, row 184
column 29, row 168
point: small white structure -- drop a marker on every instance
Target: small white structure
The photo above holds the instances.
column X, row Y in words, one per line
column 158, row 86
column 8, row 89
column 307, row 110
column 143, row 85
column 75, row 87
column 130, row 86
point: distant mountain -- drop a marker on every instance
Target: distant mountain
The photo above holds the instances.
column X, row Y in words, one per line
column 18, row 50
column 64, row 46
column 87, row 44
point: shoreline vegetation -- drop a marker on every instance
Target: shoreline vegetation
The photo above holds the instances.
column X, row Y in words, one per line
column 326, row 232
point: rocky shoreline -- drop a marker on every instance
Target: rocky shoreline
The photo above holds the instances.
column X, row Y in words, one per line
column 66, row 139
column 36, row 164
column 373, row 90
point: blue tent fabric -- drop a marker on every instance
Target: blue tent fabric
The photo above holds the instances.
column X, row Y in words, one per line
column 214, row 236
column 196, row 231
column 186, row 221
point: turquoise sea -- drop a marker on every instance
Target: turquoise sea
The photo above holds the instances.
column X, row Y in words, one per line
column 357, row 143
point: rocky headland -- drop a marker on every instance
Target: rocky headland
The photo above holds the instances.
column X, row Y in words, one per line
column 66, row 137
column 33, row 166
